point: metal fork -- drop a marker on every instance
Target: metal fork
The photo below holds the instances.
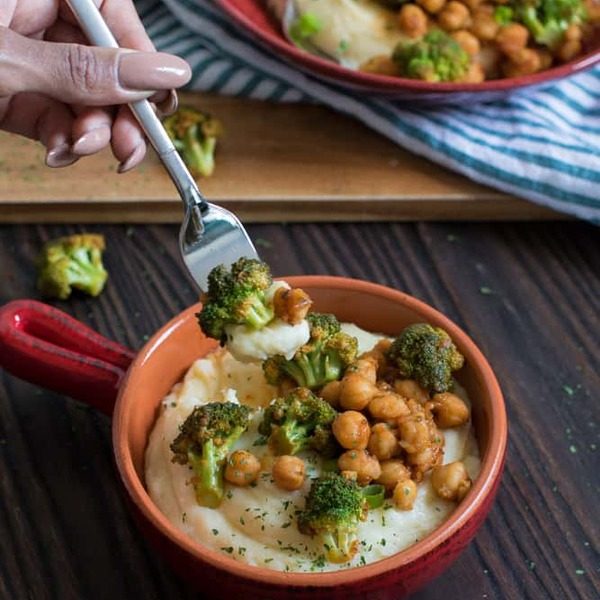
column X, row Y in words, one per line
column 209, row 234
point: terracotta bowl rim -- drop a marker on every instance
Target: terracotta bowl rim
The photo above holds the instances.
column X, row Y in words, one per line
column 491, row 467
column 374, row 83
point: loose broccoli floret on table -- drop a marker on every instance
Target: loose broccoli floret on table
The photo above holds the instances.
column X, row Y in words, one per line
column 435, row 57
column 194, row 134
column 299, row 421
column 69, row 262
column 334, row 507
column 205, row 439
column 324, row 358
column 427, row 354
column 547, row 20
column 236, row 296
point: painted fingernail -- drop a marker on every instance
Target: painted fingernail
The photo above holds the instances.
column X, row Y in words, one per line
column 92, row 141
column 169, row 105
column 152, row 71
column 134, row 159
column 61, row 156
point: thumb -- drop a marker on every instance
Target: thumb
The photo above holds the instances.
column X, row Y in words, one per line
column 78, row 74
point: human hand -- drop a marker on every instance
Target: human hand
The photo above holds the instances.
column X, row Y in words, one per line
column 70, row 96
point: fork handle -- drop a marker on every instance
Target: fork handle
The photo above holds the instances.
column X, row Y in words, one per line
column 97, row 31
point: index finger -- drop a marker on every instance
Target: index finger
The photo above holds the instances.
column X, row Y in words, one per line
column 122, row 19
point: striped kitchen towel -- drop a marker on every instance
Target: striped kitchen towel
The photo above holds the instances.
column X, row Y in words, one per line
column 542, row 145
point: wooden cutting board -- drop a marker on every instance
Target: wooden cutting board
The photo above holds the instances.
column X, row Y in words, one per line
column 274, row 163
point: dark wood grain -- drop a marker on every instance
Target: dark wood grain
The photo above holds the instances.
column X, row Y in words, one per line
column 528, row 294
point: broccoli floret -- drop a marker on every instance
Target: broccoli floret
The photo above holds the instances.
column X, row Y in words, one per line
column 435, row 57
column 194, row 135
column 334, row 507
column 427, row 354
column 547, row 20
column 236, row 296
column 204, row 441
column 299, row 421
column 324, row 358
column 74, row 261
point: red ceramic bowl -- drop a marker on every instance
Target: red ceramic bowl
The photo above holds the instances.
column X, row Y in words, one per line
column 43, row 345
column 253, row 16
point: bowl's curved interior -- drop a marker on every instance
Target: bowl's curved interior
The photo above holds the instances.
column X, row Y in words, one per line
column 170, row 352
column 253, row 16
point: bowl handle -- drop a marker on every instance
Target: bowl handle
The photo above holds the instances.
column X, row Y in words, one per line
column 43, row 345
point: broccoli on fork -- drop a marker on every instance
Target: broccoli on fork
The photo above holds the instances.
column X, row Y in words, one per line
column 324, row 358
column 427, row 354
column 205, row 439
column 74, row 261
column 334, row 507
column 194, row 135
column 236, row 296
column 299, row 421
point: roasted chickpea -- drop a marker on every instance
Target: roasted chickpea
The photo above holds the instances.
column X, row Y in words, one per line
column 474, row 74
column 242, row 468
column 423, row 461
column 381, row 65
column 432, row 6
column 455, row 15
column 366, row 466
column 405, row 494
column 523, row 62
column 383, row 443
column 366, row 368
column 291, row 304
column 409, row 388
column 392, row 471
column 351, row 429
column 355, row 392
column 350, row 475
column 451, row 481
column 484, row 25
column 469, row 43
column 573, row 32
column 568, row 49
column 449, row 410
column 387, row 406
column 413, row 433
column 512, row 38
column 412, row 20
column 288, row 472
column 472, row 4
column 330, row 392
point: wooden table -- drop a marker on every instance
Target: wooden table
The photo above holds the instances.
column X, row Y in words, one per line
column 528, row 294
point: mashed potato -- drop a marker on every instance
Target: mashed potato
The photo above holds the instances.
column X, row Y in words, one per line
column 257, row 524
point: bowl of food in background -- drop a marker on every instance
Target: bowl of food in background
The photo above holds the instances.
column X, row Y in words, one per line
column 417, row 445
column 428, row 49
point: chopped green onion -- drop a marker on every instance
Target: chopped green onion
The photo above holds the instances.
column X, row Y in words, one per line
column 304, row 27
column 374, row 495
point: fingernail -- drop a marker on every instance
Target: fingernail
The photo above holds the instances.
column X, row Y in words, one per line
column 134, row 159
column 152, row 71
column 92, row 141
column 169, row 105
column 61, row 156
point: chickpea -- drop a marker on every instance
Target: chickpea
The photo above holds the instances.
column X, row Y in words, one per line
column 387, row 406
column 350, row 475
column 381, row 65
column 351, row 429
column 378, row 353
column 484, row 25
column 330, row 392
column 366, row 466
column 291, row 304
column 512, row 38
column 412, row 20
column 474, row 74
column 449, row 410
column 383, row 443
column 523, row 62
column 366, row 368
column 432, row 6
column 423, row 461
column 242, row 468
column 409, row 388
column 451, row 481
column 573, row 32
column 288, row 472
column 405, row 494
column 455, row 15
column 393, row 471
column 568, row 49
column 472, row 4
column 413, row 433
column 469, row 43
column 355, row 392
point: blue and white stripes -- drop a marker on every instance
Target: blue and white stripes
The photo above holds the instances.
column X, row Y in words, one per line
column 542, row 145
